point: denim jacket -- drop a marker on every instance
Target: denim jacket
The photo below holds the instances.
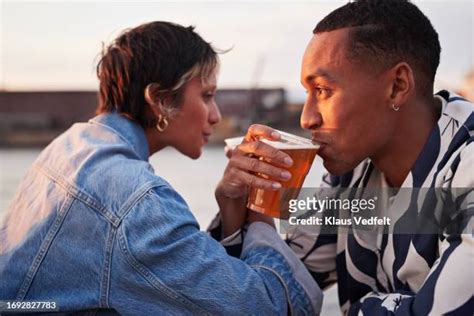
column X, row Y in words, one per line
column 92, row 228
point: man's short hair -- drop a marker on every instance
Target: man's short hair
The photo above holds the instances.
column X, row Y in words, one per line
column 386, row 32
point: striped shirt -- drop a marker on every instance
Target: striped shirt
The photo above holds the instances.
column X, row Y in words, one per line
column 405, row 273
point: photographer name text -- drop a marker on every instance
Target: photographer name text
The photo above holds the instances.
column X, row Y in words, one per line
column 354, row 206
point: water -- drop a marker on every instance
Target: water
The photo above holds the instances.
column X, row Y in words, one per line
column 195, row 180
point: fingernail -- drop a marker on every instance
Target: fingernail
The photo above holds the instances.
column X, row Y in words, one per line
column 285, row 175
column 276, row 185
column 288, row 161
column 275, row 135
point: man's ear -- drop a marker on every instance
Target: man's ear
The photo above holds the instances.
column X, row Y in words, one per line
column 402, row 84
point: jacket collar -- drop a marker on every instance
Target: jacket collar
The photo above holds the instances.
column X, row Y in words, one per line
column 131, row 132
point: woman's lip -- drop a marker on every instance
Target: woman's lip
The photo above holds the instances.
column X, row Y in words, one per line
column 206, row 137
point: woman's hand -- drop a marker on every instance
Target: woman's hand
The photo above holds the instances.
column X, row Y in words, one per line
column 252, row 164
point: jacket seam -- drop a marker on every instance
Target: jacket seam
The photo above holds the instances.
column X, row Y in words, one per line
column 296, row 299
column 287, row 291
column 136, row 197
column 151, row 278
column 44, row 248
column 78, row 194
column 105, row 283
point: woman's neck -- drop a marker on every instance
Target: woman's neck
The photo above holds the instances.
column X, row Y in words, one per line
column 155, row 144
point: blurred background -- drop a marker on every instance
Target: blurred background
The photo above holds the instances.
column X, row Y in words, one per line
column 49, row 51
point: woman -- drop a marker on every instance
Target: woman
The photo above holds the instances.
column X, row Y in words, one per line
column 93, row 228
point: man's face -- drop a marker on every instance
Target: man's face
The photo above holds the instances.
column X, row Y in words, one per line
column 346, row 107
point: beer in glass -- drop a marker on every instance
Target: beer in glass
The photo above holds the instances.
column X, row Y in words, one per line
column 275, row 203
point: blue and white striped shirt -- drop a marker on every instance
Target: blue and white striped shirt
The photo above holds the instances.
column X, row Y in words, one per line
column 405, row 273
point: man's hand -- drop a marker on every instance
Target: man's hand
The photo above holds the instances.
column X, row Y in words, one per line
column 252, row 164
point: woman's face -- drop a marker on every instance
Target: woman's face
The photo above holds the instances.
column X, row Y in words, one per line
column 191, row 128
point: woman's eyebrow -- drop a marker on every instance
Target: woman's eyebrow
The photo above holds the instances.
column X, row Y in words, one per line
column 210, row 87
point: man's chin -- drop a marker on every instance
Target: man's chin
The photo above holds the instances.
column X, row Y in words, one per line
column 337, row 168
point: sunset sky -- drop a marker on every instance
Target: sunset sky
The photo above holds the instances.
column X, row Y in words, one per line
column 55, row 44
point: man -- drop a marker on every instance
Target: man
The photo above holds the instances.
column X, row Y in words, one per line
column 369, row 71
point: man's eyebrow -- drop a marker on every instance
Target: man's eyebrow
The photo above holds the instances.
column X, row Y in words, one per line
column 320, row 73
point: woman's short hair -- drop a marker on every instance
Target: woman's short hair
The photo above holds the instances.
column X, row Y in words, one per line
column 148, row 63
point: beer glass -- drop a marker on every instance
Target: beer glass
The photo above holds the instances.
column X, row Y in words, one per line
column 275, row 203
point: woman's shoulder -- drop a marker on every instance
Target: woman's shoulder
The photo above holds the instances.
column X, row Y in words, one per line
column 109, row 173
column 158, row 215
column 123, row 182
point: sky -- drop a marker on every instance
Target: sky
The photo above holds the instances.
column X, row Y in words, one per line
column 55, row 45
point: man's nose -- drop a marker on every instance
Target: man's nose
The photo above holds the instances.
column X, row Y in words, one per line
column 310, row 116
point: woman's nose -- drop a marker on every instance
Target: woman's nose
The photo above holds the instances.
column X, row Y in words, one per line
column 214, row 114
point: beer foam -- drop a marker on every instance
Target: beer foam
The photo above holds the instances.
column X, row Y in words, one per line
column 283, row 144
column 234, row 141
column 287, row 141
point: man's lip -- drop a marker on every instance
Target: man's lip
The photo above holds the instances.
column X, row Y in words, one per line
column 322, row 149
column 315, row 140
column 319, row 138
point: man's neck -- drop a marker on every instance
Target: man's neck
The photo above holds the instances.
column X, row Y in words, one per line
column 417, row 120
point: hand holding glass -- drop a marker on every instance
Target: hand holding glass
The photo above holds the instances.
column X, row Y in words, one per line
column 275, row 203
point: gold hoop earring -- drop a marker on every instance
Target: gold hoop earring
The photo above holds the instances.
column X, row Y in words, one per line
column 395, row 108
column 162, row 123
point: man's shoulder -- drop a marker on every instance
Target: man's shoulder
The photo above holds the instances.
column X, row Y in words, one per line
column 456, row 108
column 455, row 130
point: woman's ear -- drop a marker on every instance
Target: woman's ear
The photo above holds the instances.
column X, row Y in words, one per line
column 402, row 84
column 153, row 100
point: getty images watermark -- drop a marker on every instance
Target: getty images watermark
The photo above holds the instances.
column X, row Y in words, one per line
column 316, row 206
column 381, row 210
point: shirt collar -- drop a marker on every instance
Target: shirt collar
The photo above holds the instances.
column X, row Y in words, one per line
column 131, row 132
column 455, row 106
column 450, row 109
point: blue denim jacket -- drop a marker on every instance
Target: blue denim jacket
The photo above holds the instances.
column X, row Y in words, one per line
column 93, row 228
